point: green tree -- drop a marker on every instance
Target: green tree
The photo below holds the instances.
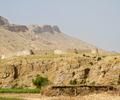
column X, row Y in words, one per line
column 40, row 81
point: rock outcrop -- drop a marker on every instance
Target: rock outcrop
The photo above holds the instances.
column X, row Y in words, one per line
column 48, row 28
column 56, row 29
column 36, row 29
column 44, row 29
column 12, row 27
column 3, row 21
column 16, row 28
column 22, row 28
column 61, row 71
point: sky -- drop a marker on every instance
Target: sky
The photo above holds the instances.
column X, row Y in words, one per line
column 94, row 21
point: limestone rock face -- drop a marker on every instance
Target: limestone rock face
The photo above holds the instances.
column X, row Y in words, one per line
column 12, row 27
column 17, row 28
column 48, row 28
column 45, row 28
column 3, row 21
column 37, row 29
column 56, row 29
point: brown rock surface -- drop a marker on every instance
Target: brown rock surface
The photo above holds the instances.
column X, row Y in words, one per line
column 60, row 70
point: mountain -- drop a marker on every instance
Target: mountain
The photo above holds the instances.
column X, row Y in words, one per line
column 65, row 70
column 14, row 38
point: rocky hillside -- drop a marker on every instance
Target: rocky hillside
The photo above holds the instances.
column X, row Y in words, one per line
column 61, row 70
column 14, row 38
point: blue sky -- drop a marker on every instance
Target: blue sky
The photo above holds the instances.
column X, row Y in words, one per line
column 94, row 21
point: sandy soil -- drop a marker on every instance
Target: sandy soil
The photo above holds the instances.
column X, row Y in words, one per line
column 102, row 96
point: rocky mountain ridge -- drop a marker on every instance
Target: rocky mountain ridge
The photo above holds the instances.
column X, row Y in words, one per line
column 22, row 28
column 16, row 38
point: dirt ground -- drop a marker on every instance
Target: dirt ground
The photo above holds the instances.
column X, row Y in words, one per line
column 102, row 96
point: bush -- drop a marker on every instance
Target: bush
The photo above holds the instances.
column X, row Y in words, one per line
column 99, row 58
column 91, row 63
column 73, row 74
column 84, row 55
column 73, row 82
column 40, row 81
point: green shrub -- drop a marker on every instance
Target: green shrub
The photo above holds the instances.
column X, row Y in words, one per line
column 73, row 82
column 84, row 55
column 73, row 74
column 99, row 58
column 40, row 81
column 91, row 63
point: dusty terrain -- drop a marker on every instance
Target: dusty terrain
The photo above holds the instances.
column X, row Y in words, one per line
column 102, row 96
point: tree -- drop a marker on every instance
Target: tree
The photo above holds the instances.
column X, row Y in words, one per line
column 40, row 81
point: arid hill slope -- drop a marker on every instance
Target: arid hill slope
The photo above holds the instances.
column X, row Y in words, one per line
column 60, row 70
column 14, row 38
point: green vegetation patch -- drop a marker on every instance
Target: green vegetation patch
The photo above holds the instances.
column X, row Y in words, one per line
column 19, row 90
column 40, row 81
column 3, row 98
column 73, row 82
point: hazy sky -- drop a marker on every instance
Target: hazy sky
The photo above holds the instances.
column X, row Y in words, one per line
column 94, row 21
